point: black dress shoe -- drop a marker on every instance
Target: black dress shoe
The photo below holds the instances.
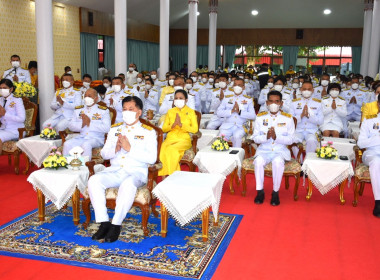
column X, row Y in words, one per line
column 113, row 234
column 259, row 199
column 102, row 231
column 376, row 210
column 275, row 201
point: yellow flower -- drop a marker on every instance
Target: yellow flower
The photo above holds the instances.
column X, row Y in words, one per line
column 322, row 155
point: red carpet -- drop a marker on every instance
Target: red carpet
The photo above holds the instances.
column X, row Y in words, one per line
column 320, row 239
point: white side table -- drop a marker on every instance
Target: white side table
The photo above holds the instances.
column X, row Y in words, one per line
column 345, row 147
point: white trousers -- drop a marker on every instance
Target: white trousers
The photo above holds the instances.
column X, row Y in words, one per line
column 278, row 165
column 214, row 123
column 127, row 184
column 86, row 144
column 8, row 135
column 235, row 134
column 373, row 161
column 59, row 124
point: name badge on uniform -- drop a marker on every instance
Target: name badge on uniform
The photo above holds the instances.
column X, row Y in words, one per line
column 265, row 122
column 71, row 93
column 81, row 113
column 376, row 126
column 138, row 137
column 217, row 96
column 171, row 98
column 299, row 106
column 12, row 104
column 281, row 124
column 21, row 74
column 314, row 108
column 230, row 101
column 96, row 116
column 244, row 102
column 118, row 132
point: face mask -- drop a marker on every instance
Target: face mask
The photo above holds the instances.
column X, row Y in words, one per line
column 355, row 86
column 278, row 87
column 129, row 117
column 177, row 88
column 211, row 80
column 306, row 93
column 222, row 84
column 246, row 80
column 179, row 103
column 153, row 77
column 139, row 80
column 116, row 88
column 204, row 80
column 188, row 86
column 273, row 108
column 15, row 64
column 217, row 85
column 343, row 85
column 148, row 87
column 270, row 85
column 171, row 82
column 324, row 83
column 294, row 85
column 194, row 79
column 238, row 89
column 69, row 72
column 66, row 84
column 131, row 69
column 5, row 92
column 88, row 101
column 86, row 84
column 334, row 93
column 106, row 85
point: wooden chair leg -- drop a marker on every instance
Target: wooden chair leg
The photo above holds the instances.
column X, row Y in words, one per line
column 27, row 164
column 286, row 182
column 76, row 203
column 164, row 221
column 192, row 167
column 153, row 207
column 244, row 182
column 297, row 176
column 41, row 205
column 205, row 221
column 237, row 181
column 86, row 211
column 16, row 156
column 144, row 220
column 356, row 192
column 232, row 190
column 362, row 185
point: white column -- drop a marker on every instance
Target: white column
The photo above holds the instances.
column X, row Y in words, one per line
column 164, row 38
column 373, row 65
column 368, row 8
column 120, row 36
column 213, row 14
column 192, row 41
column 45, row 56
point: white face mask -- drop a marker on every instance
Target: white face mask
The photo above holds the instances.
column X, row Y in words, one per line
column 116, row 88
column 131, row 69
column 238, row 90
column 324, row 83
column 179, row 103
column 15, row 64
column 217, row 85
column 153, row 77
column 171, row 82
column 278, row 87
column 294, row 85
column 194, row 79
column 66, row 84
column 106, row 85
column 211, row 80
column 86, row 84
column 306, row 93
column 177, row 88
column 355, row 86
column 222, row 84
column 204, row 80
column 254, row 77
column 246, row 80
column 270, row 85
column 148, row 87
column 139, row 80
column 334, row 93
column 88, row 101
column 69, row 72
column 188, row 86
column 5, row 92
column 273, row 108
column 129, row 117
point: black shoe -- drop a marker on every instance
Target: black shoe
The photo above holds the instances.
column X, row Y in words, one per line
column 102, row 231
column 259, row 199
column 376, row 210
column 113, row 234
column 275, row 201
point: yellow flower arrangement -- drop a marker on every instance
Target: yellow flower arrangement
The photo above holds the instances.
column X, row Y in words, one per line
column 327, row 151
column 48, row 133
column 24, row 89
column 220, row 144
column 55, row 159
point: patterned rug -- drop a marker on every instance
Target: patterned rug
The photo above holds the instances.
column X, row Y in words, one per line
column 181, row 255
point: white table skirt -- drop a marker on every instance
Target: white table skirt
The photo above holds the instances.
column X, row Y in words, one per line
column 207, row 136
column 326, row 174
column 344, row 146
column 222, row 162
column 37, row 148
column 186, row 194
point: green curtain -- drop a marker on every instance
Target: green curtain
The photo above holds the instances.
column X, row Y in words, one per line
column 89, row 54
column 109, row 54
column 289, row 55
column 356, row 59
column 178, row 54
column 229, row 55
column 145, row 55
column 218, row 58
column 202, row 55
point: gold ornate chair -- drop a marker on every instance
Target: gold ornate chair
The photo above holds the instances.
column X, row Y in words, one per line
column 292, row 167
column 143, row 199
column 10, row 148
column 362, row 175
column 189, row 154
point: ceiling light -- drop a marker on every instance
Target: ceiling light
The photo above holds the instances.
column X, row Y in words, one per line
column 255, row 12
column 327, row 11
column 197, row 13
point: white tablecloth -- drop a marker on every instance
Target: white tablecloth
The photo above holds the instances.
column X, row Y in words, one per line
column 186, row 194
column 36, row 148
column 59, row 185
column 344, row 146
column 207, row 136
column 211, row 161
column 326, row 174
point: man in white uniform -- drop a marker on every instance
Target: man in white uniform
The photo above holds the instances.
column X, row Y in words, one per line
column 131, row 147
column 131, row 77
column 16, row 73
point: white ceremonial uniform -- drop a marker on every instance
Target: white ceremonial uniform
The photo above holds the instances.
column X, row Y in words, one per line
column 159, row 83
column 151, row 102
column 307, row 127
column 249, row 89
column 334, row 119
column 117, row 98
column 83, row 90
column 354, row 111
column 131, row 78
column 167, row 104
column 204, row 92
column 371, row 96
column 128, row 170
column 13, row 119
column 318, row 92
column 369, row 139
column 90, row 136
column 287, row 96
column 215, row 121
column 139, row 87
column 263, row 96
column 22, row 74
column 269, row 150
column 63, row 113
column 232, row 126
column 194, row 99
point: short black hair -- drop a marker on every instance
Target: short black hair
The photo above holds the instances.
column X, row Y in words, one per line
column 181, row 91
column 137, row 100
column 224, row 75
column 117, row 78
column 280, row 78
column 8, row 83
column 100, row 89
column 15, row 55
column 108, row 78
column 32, row 64
column 150, row 80
column 67, row 68
column 87, row 76
column 274, row 92
column 334, row 85
column 122, row 74
column 68, row 75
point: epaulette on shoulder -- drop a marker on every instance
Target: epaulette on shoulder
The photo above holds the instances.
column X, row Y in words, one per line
column 196, row 89
column 162, row 80
column 340, row 97
column 147, row 127
column 371, row 117
column 246, row 96
column 202, row 84
column 262, row 114
column 297, row 99
column 325, row 97
column 215, row 89
column 346, row 89
column 77, row 89
column 163, row 86
column 317, row 100
column 117, row 124
column 228, row 96
column 102, row 107
column 111, row 91
column 286, row 114
column 230, row 89
column 130, row 87
column 79, row 107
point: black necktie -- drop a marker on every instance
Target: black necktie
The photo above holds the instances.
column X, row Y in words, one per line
column 5, row 102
